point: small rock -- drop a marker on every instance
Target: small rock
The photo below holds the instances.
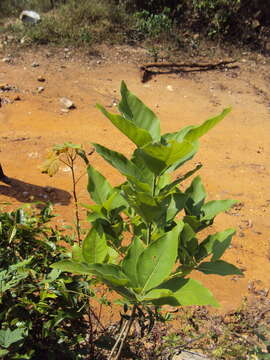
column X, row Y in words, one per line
column 99, row 62
column 29, row 17
column 65, row 111
column 5, row 87
column 17, row 98
column 67, row 103
column 41, row 79
column 6, row 60
column 170, row 88
column 25, row 193
column 34, row 64
column 40, row 89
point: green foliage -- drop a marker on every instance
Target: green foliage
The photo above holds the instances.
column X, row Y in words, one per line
column 41, row 310
column 162, row 220
column 151, row 24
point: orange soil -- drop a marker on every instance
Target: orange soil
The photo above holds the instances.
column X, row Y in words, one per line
column 235, row 154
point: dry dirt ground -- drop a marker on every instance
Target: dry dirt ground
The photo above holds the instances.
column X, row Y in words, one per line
column 235, row 154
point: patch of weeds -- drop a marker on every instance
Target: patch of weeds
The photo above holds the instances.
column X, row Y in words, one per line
column 152, row 25
column 83, row 22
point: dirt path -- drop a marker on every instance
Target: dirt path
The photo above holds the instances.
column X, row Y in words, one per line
column 235, row 154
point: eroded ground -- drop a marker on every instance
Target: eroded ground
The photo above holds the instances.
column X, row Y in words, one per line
column 235, row 154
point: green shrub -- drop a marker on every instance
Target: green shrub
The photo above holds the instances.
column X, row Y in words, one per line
column 42, row 311
column 162, row 221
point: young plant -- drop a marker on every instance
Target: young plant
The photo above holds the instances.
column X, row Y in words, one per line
column 66, row 154
column 163, row 222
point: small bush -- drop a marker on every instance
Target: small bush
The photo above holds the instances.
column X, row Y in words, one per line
column 42, row 311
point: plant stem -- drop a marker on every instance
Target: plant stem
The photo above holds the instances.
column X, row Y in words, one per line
column 149, row 228
column 72, row 159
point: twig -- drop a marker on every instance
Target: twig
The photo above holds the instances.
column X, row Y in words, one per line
column 174, row 68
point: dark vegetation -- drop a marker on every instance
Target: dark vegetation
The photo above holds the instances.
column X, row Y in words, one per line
column 182, row 23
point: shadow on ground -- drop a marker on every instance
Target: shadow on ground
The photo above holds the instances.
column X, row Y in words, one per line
column 25, row 192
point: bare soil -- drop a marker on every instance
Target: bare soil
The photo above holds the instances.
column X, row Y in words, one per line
column 235, row 154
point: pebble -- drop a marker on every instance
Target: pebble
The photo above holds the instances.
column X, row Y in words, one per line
column 25, row 193
column 17, row 98
column 40, row 89
column 6, row 60
column 67, row 103
column 34, row 64
column 41, row 79
column 170, row 88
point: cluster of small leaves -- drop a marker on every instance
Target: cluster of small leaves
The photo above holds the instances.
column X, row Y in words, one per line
column 163, row 221
column 41, row 310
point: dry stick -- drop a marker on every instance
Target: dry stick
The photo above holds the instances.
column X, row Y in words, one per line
column 91, row 335
column 130, row 322
column 124, row 326
column 170, row 68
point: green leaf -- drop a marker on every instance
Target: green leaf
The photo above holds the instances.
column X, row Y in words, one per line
column 196, row 196
column 118, row 161
column 157, row 260
column 197, row 131
column 73, row 267
column 129, row 264
column 137, row 112
column 110, row 273
column 150, row 208
column 156, row 294
column 176, row 204
column 98, row 187
column 188, row 245
column 215, row 244
column 9, row 337
column 77, row 253
column 158, row 156
column 186, row 292
column 170, row 186
column 219, row 267
column 94, row 247
column 215, row 207
column 139, row 136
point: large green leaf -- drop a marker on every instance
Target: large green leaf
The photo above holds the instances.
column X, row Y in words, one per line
column 129, row 264
column 215, row 207
column 150, row 208
column 219, row 267
column 110, row 273
column 215, row 244
column 118, row 160
column 137, row 112
column 197, row 131
column 139, row 136
column 94, row 247
column 158, row 156
column 156, row 294
column 98, row 187
column 186, row 292
column 157, row 260
column 147, row 174
column 73, row 267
